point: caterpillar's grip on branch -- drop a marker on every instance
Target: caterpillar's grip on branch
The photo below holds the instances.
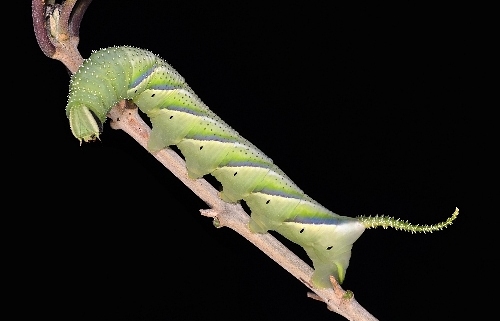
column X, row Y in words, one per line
column 210, row 146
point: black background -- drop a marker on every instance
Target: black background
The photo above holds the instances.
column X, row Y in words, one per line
column 364, row 108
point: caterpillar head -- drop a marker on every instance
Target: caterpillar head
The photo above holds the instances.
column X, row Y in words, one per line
column 84, row 124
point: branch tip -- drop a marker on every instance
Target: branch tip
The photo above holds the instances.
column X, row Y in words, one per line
column 40, row 29
column 76, row 17
column 314, row 296
column 209, row 212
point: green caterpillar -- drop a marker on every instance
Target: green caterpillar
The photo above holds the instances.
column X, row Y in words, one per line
column 210, row 146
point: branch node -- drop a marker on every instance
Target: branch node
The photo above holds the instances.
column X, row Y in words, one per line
column 344, row 296
column 214, row 214
column 217, row 223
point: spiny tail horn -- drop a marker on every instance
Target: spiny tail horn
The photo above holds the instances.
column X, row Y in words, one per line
column 398, row 224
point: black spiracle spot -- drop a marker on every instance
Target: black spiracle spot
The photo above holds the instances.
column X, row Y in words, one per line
column 201, row 147
column 267, row 202
column 301, row 231
column 153, row 95
column 329, row 248
column 235, row 173
column 171, row 117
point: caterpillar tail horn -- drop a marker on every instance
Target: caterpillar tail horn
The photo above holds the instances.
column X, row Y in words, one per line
column 398, row 224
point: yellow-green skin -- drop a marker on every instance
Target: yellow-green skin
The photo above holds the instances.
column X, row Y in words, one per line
column 210, row 146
